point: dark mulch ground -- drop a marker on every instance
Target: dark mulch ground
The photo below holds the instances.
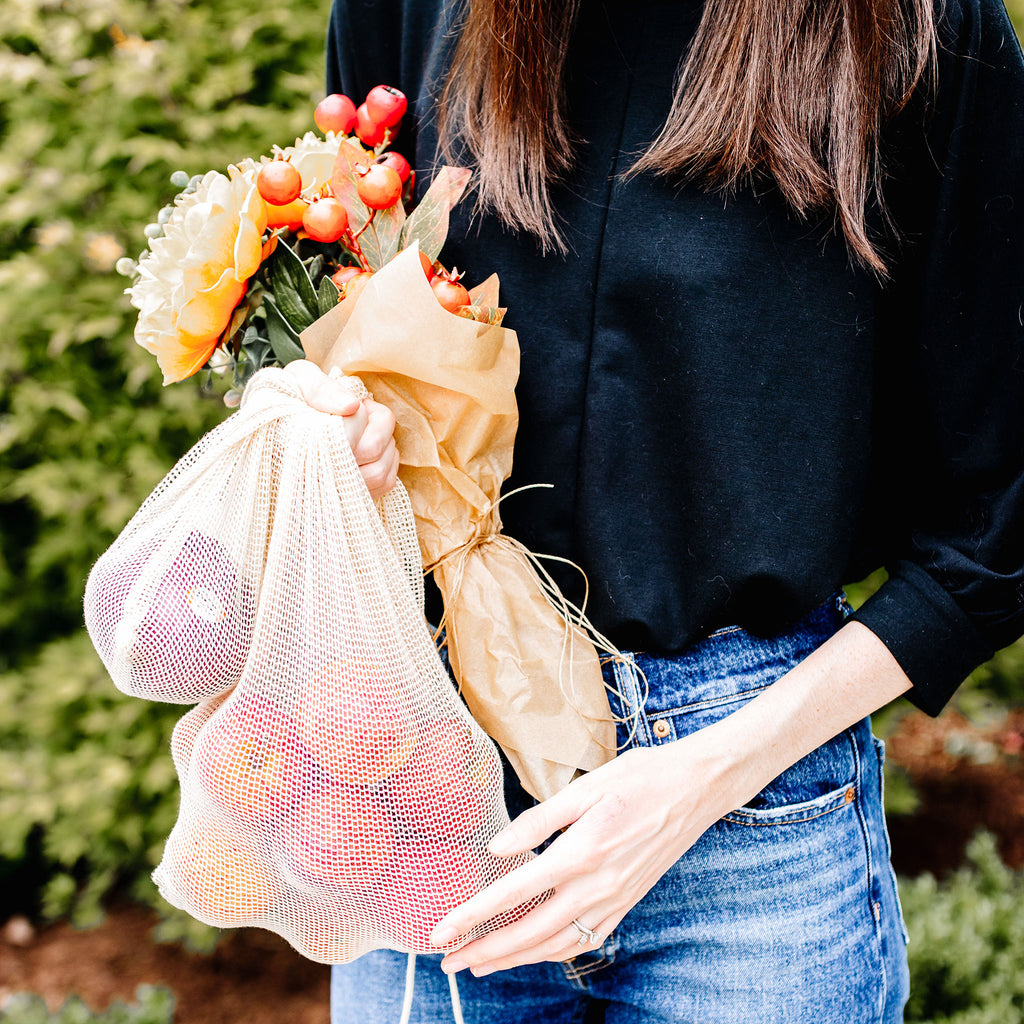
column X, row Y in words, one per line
column 966, row 776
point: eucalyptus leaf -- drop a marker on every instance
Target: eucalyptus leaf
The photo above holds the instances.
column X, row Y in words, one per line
column 328, row 295
column 428, row 222
column 380, row 240
column 293, row 290
column 343, row 182
column 284, row 339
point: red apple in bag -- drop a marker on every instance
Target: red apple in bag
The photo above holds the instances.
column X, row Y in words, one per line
column 448, row 787
column 355, row 723
column 250, row 760
column 339, row 836
column 428, row 879
column 183, row 640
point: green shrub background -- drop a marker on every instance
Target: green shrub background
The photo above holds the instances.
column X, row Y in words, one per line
column 100, row 100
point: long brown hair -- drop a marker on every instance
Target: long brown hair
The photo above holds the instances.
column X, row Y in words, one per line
column 798, row 90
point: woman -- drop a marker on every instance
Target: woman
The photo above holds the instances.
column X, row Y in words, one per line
column 771, row 341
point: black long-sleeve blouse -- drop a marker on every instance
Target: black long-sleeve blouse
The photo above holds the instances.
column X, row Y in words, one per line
column 737, row 420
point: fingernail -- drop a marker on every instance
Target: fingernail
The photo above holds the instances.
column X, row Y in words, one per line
column 502, row 844
column 453, row 966
column 443, row 936
column 481, row 972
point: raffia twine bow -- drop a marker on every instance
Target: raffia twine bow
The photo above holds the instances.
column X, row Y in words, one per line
column 486, row 533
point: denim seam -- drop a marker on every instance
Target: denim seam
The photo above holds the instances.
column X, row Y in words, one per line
column 625, row 675
column 753, row 823
column 711, row 702
column 725, row 631
column 575, row 973
column 866, row 835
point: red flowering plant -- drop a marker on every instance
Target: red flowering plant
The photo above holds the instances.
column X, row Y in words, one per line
column 241, row 263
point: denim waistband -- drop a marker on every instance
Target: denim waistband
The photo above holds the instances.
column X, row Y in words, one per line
column 730, row 664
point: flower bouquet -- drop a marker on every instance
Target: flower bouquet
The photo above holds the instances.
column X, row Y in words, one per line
column 335, row 788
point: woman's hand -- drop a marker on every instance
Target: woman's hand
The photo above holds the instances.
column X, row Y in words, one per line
column 629, row 820
column 369, row 426
column 626, row 823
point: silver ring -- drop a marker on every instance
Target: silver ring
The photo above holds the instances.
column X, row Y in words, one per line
column 587, row 935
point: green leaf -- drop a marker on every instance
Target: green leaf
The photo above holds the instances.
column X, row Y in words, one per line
column 315, row 267
column 327, row 296
column 428, row 223
column 284, row 340
column 343, row 183
column 379, row 241
column 293, row 290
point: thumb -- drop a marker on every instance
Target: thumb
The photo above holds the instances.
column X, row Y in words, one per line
column 320, row 391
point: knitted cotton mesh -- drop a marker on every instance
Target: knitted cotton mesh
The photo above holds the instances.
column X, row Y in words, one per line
column 334, row 789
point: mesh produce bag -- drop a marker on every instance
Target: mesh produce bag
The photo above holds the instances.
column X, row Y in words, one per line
column 334, row 789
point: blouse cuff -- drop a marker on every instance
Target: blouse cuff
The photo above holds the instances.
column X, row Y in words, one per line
column 925, row 630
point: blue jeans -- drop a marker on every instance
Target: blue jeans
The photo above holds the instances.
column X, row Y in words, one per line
column 784, row 912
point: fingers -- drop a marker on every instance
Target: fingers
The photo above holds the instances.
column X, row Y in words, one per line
column 531, row 880
column 375, row 451
column 369, row 426
column 545, row 933
column 536, row 824
column 321, row 392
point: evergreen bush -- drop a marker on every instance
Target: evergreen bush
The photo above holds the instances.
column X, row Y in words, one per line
column 967, row 942
column 153, row 1006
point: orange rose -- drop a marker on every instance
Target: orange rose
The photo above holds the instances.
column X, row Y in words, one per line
column 195, row 273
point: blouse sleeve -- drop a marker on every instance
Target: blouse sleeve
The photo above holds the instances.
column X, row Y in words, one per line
column 951, row 369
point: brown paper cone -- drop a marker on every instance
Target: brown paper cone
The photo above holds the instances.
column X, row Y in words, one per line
column 532, row 680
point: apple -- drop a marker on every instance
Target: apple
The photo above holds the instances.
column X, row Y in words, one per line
column 354, row 723
column 427, row 880
column 220, row 874
column 338, row 835
column 179, row 638
column 250, row 760
column 450, row 785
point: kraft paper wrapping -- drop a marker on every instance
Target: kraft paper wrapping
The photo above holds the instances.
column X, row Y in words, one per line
column 530, row 676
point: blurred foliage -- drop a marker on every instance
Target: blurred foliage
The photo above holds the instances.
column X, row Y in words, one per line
column 1016, row 12
column 967, row 942
column 100, row 101
column 153, row 1006
column 88, row 792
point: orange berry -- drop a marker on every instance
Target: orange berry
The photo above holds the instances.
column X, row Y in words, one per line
column 325, row 220
column 386, row 105
column 279, row 183
column 343, row 275
column 379, row 187
column 370, row 133
column 335, row 113
column 450, row 294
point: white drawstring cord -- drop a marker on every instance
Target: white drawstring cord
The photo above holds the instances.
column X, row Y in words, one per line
column 453, row 988
column 410, row 984
column 410, row 981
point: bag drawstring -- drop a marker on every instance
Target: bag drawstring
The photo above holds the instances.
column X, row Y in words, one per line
column 453, row 989
column 410, row 983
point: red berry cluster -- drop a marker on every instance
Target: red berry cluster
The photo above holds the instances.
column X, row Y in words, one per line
column 383, row 109
column 381, row 183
